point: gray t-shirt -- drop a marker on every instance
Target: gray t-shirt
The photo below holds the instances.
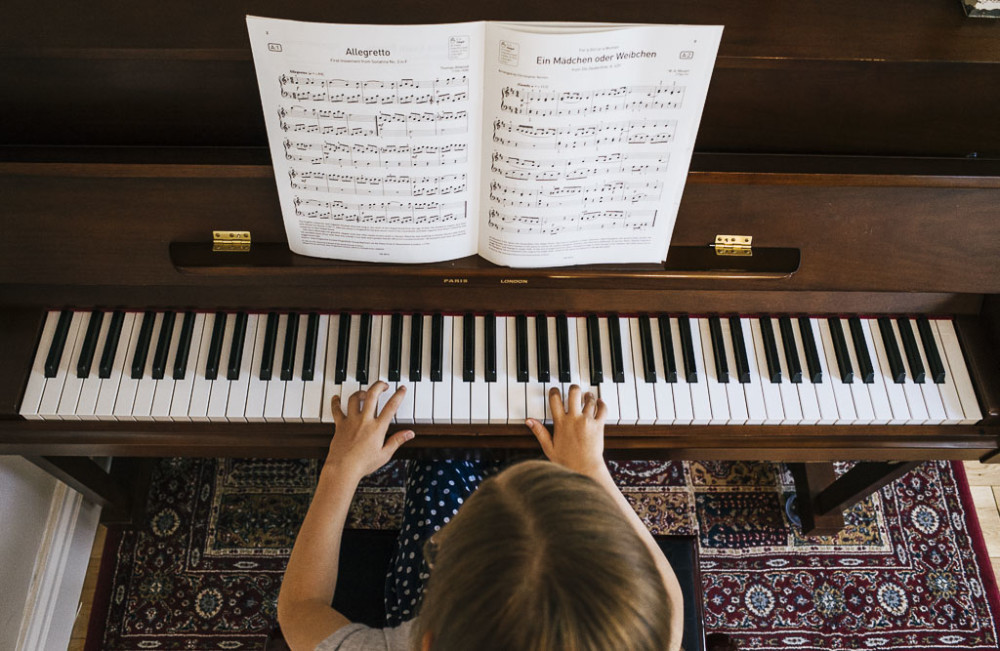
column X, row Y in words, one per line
column 358, row 637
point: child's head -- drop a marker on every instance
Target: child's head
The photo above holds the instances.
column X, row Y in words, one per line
column 542, row 558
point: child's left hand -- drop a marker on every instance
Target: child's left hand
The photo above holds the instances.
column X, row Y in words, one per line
column 359, row 445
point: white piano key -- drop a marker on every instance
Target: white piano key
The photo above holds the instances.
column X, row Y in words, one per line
column 48, row 407
column 36, row 377
column 771, row 392
column 218, row 397
column 461, row 391
column 351, row 384
column 663, row 393
column 534, row 390
column 717, row 395
column 443, row 389
column 936, row 413
column 807, row 393
column 608, row 390
column 738, row 412
column 914, row 397
column 628, row 398
column 480, row 392
column 517, row 392
column 753, row 390
column 948, row 342
column 70, row 395
column 828, row 410
column 423, row 391
column 108, row 391
column 645, row 394
column 143, row 406
column 883, row 375
column 680, row 390
column 180, row 405
column 791, row 401
column 583, row 357
column 313, row 406
column 404, row 414
column 498, row 389
column 164, row 394
column 295, row 387
column 92, row 383
column 257, row 388
column 330, row 386
column 701, row 403
column 274, row 396
column 385, row 344
column 846, row 413
column 572, row 334
column 553, row 335
column 125, row 396
column 239, row 389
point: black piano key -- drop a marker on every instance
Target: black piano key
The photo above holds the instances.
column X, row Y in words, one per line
column 236, row 346
column 931, row 350
column 416, row 347
column 142, row 345
column 395, row 347
column 646, row 342
column 89, row 344
column 58, row 344
column 687, row 348
column 865, row 368
column 215, row 348
column 770, row 350
column 562, row 348
column 718, row 349
column 739, row 349
column 791, row 350
column 288, row 349
column 490, row 349
column 469, row 348
column 912, row 352
column 312, row 341
column 343, row 343
column 364, row 348
column 437, row 348
column 183, row 346
column 542, row 348
column 617, row 359
column 163, row 345
column 896, row 367
column 840, row 350
column 809, row 348
column 667, row 348
column 270, row 344
column 521, row 346
column 594, row 350
column 111, row 344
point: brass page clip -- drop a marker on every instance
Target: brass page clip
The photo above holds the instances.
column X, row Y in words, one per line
column 733, row 245
column 230, row 241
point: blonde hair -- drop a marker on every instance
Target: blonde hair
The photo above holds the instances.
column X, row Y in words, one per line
column 542, row 558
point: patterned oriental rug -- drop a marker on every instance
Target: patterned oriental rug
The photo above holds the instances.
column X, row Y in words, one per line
column 909, row 571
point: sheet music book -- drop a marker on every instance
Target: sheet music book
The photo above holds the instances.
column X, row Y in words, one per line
column 530, row 144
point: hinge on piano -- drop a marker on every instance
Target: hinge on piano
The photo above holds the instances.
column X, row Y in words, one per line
column 231, row 241
column 733, row 245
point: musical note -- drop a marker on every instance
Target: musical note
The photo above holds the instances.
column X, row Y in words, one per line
column 391, row 185
column 533, row 101
column 552, row 224
column 306, row 88
column 386, row 212
column 625, row 132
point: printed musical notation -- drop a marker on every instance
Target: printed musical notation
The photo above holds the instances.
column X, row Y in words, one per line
column 556, row 169
column 306, row 88
column 391, row 185
column 582, row 194
column 343, row 154
column 532, row 101
column 572, row 221
column 625, row 132
column 340, row 123
column 386, row 212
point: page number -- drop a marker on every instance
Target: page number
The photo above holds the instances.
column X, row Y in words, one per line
column 274, row 47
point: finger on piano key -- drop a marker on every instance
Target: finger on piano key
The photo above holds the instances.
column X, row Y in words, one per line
column 717, row 397
column 72, row 383
column 351, row 384
column 645, row 396
column 607, row 389
column 928, row 341
column 770, row 342
column 790, row 400
column 576, row 375
column 274, row 396
column 793, row 365
column 116, row 360
column 718, row 349
column 862, row 358
column 876, row 389
column 914, row 363
column 479, row 392
column 219, row 396
column 829, row 355
column 628, row 392
column 911, row 390
column 263, row 344
column 738, row 411
column 667, row 413
column 845, row 370
column 692, row 358
column 295, row 387
column 859, row 389
column 812, row 340
column 313, row 406
column 331, row 383
column 461, row 389
column 423, row 389
column 127, row 386
column 90, row 344
column 668, row 346
column 404, row 412
column 164, row 392
column 936, row 412
column 753, row 389
column 811, row 414
column 809, row 350
column 564, row 352
column 535, row 389
column 553, row 356
column 91, row 388
column 695, row 376
column 771, row 392
column 952, row 355
column 443, row 388
column 498, row 389
column 269, row 346
column 57, row 345
column 240, row 368
column 890, row 347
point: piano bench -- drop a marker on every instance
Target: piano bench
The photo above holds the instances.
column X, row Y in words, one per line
column 365, row 557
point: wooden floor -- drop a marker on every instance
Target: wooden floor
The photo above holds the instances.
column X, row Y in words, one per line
column 984, row 480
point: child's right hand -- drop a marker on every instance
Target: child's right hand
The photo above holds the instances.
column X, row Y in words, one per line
column 578, row 426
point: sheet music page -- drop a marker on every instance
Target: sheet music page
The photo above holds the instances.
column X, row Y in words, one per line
column 588, row 138
column 375, row 136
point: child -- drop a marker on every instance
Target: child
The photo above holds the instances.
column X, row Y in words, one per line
column 542, row 556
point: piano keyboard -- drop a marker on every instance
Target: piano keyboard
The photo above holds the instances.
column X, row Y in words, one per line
column 488, row 369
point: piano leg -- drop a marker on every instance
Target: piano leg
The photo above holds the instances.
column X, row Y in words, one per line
column 121, row 492
column 823, row 496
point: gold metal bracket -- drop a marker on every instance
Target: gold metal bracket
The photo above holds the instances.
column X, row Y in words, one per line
column 231, row 241
column 733, row 245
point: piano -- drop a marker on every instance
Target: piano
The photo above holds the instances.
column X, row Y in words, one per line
column 863, row 325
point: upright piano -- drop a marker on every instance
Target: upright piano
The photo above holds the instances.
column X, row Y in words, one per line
column 860, row 150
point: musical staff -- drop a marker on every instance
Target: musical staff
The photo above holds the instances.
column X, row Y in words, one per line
column 391, row 185
column 343, row 154
column 374, row 92
column 385, row 212
column 556, row 169
column 597, row 192
column 532, row 101
column 626, row 132
column 339, row 123
column 552, row 224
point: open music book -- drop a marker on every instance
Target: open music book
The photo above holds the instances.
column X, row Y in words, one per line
column 531, row 144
